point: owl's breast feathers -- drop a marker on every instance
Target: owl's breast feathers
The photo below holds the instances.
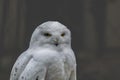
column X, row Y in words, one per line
column 57, row 63
column 49, row 57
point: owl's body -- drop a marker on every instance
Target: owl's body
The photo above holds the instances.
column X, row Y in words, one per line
column 49, row 56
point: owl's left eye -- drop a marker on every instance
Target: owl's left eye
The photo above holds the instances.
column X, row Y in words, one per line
column 47, row 34
column 63, row 34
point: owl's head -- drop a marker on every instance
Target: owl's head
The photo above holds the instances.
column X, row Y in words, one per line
column 51, row 34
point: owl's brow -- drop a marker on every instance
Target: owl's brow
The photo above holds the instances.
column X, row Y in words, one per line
column 45, row 31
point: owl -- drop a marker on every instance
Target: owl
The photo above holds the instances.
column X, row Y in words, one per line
column 49, row 56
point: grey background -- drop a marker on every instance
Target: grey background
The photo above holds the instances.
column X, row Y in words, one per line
column 95, row 27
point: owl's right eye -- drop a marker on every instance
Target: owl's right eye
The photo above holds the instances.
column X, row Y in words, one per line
column 63, row 34
column 47, row 34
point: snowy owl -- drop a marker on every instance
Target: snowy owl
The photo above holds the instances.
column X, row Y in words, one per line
column 49, row 56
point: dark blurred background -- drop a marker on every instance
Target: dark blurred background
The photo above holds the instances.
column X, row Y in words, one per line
column 95, row 27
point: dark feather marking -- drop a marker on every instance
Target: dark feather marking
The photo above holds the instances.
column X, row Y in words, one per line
column 16, row 69
column 14, row 74
column 22, row 77
column 37, row 78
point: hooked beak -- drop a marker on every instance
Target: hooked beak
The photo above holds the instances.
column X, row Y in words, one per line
column 56, row 42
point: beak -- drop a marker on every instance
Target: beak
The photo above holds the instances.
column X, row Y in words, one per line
column 56, row 41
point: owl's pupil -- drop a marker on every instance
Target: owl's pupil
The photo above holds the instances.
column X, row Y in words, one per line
column 63, row 34
column 47, row 34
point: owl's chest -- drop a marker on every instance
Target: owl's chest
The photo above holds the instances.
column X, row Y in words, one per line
column 58, row 63
column 61, row 68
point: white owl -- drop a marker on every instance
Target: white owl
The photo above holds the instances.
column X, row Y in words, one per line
column 49, row 56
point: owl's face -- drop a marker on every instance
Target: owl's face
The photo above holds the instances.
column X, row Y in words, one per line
column 52, row 34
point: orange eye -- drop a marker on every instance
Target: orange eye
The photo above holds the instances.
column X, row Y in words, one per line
column 63, row 34
column 47, row 34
